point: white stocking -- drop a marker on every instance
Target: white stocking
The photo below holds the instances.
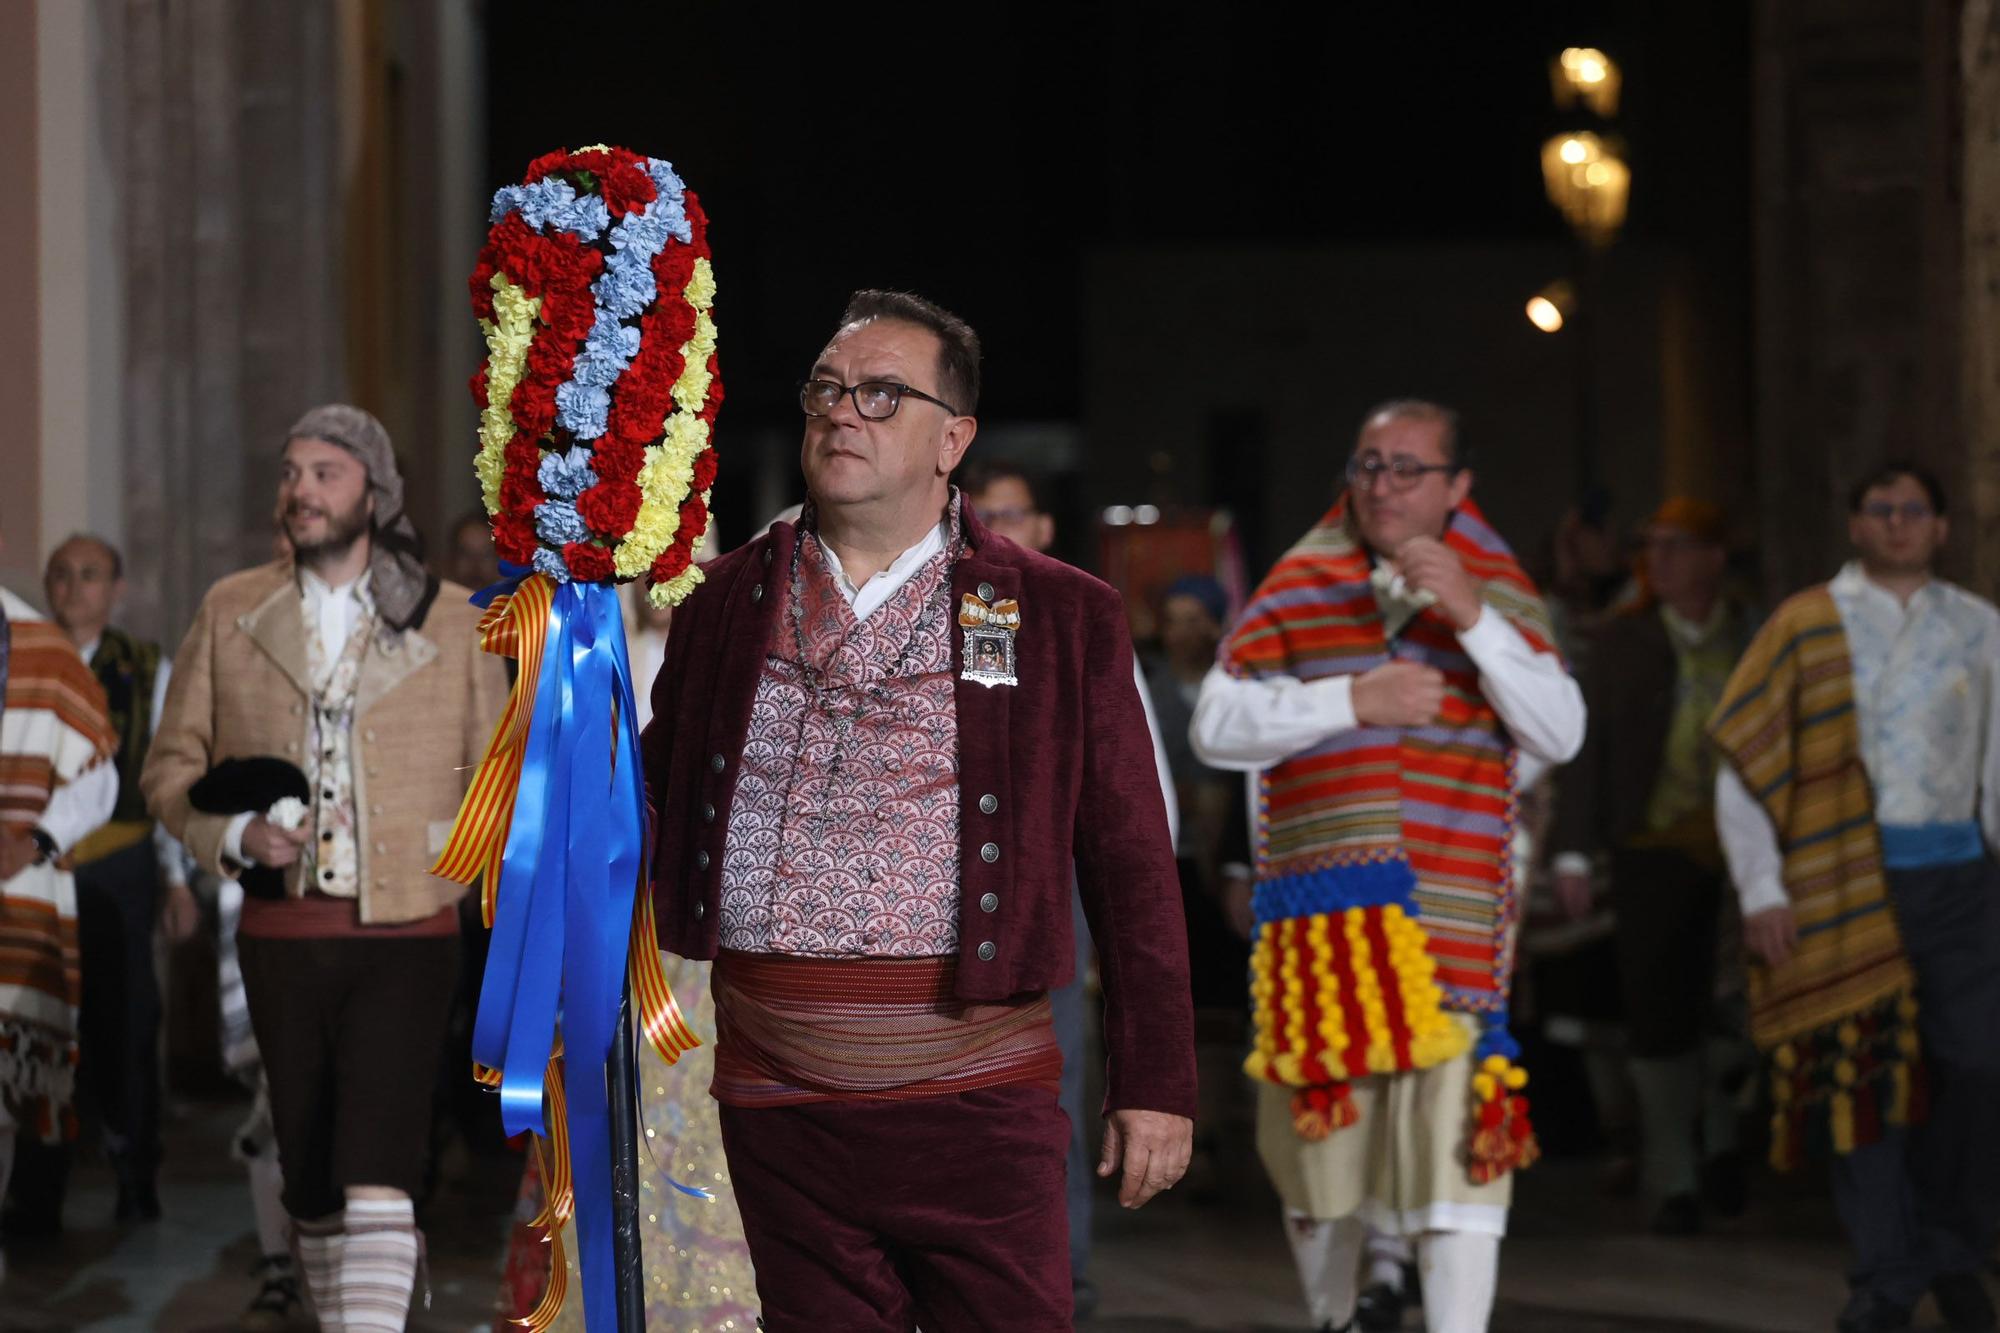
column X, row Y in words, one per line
column 1327, row 1253
column 1461, row 1269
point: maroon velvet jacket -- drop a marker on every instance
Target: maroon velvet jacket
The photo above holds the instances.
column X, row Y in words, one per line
column 1054, row 773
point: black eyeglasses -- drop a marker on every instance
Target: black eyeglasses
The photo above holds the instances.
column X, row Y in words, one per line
column 1910, row 511
column 877, row 400
column 1402, row 473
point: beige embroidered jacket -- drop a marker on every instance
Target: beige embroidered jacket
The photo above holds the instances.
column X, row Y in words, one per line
column 425, row 707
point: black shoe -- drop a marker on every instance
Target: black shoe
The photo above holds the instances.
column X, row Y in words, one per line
column 31, row 1222
column 1082, row 1298
column 1379, row 1308
column 1869, row 1312
column 1679, row 1215
column 277, row 1305
column 1962, row 1300
column 1725, row 1184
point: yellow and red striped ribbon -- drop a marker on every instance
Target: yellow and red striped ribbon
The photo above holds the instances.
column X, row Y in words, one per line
column 515, row 625
column 659, row 1014
column 558, row 1199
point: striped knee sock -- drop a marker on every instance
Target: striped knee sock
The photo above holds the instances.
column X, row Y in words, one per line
column 378, row 1268
column 318, row 1244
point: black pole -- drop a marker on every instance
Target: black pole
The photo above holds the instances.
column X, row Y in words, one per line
column 627, row 1251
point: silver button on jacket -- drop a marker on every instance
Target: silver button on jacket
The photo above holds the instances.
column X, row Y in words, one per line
column 986, row 952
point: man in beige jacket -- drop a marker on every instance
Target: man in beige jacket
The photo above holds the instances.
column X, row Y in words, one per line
column 358, row 667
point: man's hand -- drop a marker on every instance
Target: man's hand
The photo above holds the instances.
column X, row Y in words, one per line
column 1398, row 694
column 1573, row 895
column 1772, row 935
column 268, row 845
column 1155, row 1147
column 180, row 913
column 17, row 852
column 1433, row 567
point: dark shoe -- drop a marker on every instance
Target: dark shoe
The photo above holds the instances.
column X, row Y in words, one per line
column 1962, row 1300
column 1868, row 1312
column 1679, row 1215
column 1725, row 1184
column 1083, row 1298
column 1379, row 1308
column 277, row 1305
column 30, row 1222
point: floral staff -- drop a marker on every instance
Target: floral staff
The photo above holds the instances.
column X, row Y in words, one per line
column 597, row 403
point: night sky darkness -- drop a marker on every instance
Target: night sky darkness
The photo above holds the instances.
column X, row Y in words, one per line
column 977, row 154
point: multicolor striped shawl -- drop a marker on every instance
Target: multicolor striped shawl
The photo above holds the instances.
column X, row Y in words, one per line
column 1385, row 893
column 53, row 728
column 1434, row 803
column 1837, row 1018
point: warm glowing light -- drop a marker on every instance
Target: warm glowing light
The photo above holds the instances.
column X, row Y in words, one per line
column 1584, row 74
column 1550, row 308
column 1589, row 182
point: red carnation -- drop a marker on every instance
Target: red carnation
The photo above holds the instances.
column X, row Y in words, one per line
column 694, row 517
column 478, row 386
column 626, row 189
column 697, row 224
column 704, row 471
column 587, row 561
column 523, row 454
column 520, row 493
column 610, row 507
column 546, row 163
column 673, row 562
column 676, row 324
column 514, row 537
column 617, row 460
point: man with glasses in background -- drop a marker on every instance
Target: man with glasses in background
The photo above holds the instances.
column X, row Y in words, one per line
column 1382, row 683
column 1860, row 813
column 1008, row 501
column 883, row 741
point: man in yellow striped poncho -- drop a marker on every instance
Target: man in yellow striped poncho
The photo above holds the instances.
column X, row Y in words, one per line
column 1858, row 812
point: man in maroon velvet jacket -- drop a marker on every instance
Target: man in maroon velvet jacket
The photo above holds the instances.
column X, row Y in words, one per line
column 882, row 739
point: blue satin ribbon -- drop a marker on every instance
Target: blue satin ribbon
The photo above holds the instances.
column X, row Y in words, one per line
column 563, row 913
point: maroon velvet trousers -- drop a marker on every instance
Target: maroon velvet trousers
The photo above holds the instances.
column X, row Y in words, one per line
column 878, row 1216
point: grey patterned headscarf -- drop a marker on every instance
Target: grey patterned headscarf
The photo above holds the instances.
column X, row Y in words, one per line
column 402, row 587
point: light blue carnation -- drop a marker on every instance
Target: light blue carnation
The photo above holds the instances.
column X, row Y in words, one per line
column 609, row 349
column 568, row 475
column 583, row 409
column 587, row 216
column 625, row 288
column 557, row 522
column 551, row 563
column 671, row 203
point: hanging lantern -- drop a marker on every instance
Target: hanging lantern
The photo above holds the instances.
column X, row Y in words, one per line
column 1585, row 76
column 1589, row 184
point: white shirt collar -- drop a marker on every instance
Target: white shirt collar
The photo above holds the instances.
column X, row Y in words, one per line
column 880, row 588
column 1853, row 582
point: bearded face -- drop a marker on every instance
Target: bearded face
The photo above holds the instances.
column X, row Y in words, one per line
column 323, row 500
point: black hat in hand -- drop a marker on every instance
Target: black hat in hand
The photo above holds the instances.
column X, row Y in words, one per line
column 244, row 786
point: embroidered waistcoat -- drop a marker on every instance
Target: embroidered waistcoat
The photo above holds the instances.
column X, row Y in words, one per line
column 843, row 838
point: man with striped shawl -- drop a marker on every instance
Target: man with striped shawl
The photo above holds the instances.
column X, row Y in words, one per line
column 1859, row 812
column 1389, row 683
column 56, row 787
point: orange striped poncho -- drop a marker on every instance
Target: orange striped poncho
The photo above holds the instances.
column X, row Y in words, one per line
column 54, row 727
column 1385, row 892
